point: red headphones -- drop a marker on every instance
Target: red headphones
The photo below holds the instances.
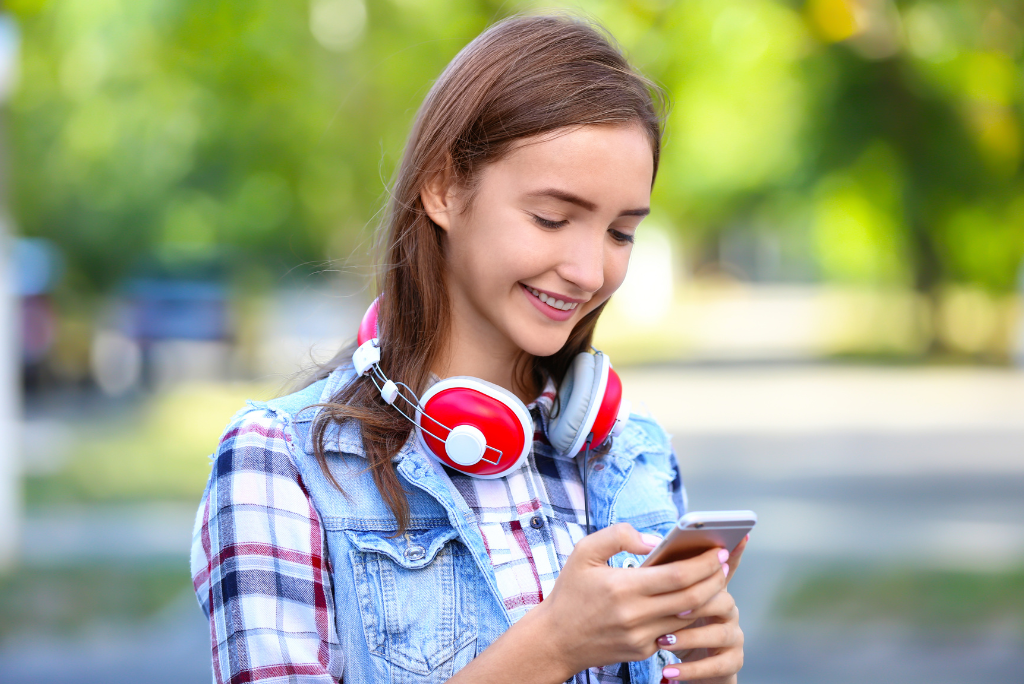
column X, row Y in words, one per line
column 484, row 430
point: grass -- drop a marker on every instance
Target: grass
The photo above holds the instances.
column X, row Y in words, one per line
column 928, row 600
column 64, row 600
column 160, row 454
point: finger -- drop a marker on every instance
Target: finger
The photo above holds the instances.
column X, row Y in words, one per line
column 721, row 605
column 671, row 577
column 665, row 631
column 684, row 603
column 710, row 635
column 598, row 547
column 723, row 664
column 675, row 633
column 669, row 613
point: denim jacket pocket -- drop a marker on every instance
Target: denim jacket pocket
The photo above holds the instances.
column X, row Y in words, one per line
column 416, row 599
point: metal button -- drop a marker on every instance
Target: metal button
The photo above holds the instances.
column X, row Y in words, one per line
column 415, row 553
column 599, row 466
column 631, row 562
column 536, row 522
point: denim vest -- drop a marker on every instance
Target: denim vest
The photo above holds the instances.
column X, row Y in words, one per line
column 419, row 607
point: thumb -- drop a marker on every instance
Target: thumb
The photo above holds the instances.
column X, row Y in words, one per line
column 603, row 544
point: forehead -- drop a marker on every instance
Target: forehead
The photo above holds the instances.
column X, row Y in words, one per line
column 606, row 163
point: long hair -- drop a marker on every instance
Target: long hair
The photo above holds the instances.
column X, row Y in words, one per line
column 523, row 77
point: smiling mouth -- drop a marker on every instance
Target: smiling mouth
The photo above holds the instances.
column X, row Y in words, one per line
column 551, row 301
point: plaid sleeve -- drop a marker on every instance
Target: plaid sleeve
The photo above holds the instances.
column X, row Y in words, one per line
column 259, row 563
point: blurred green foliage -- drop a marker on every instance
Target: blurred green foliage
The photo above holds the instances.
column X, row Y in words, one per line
column 943, row 601
column 887, row 136
column 64, row 600
column 161, row 451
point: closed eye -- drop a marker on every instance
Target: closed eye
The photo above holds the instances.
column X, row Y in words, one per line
column 547, row 223
column 623, row 238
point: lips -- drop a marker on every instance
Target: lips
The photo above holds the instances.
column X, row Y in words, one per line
column 560, row 303
column 555, row 309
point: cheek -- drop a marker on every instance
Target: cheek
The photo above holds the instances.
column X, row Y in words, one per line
column 493, row 254
column 513, row 254
column 615, row 271
column 614, row 275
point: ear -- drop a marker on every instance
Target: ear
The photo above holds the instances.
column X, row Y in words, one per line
column 438, row 200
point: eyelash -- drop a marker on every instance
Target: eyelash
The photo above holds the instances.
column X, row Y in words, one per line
column 623, row 238
column 545, row 223
column 618, row 236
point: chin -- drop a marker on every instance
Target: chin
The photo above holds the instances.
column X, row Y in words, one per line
column 543, row 344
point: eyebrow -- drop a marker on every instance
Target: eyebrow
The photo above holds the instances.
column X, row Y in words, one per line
column 564, row 196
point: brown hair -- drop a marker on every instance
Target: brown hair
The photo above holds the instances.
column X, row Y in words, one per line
column 523, row 77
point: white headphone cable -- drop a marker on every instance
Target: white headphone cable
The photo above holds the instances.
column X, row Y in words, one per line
column 418, row 411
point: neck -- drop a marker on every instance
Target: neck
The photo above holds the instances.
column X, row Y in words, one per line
column 474, row 352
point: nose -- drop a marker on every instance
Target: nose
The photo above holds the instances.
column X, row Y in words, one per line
column 583, row 264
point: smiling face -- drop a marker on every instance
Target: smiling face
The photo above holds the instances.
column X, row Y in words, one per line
column 545, row 240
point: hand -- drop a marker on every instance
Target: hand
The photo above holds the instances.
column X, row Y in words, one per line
column 596, row 615
column 712, row 648
column 720, row 610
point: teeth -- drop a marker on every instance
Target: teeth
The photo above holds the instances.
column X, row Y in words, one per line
column 551, row 301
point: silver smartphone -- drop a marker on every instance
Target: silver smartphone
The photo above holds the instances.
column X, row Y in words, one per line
column 699, row 531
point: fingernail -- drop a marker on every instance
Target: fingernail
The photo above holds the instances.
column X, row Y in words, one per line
column 747, row 538
column 666, row 639
column 725, row 569
column 685, row 613
column 650, row 539
column 670, row 672
column 723, row 555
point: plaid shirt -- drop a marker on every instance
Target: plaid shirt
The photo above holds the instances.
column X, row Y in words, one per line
column 259, row 562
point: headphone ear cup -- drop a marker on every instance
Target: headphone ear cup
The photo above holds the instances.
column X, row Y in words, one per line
column 613, row 411
column 574, row 399
column 368, row 328
column 473, row 410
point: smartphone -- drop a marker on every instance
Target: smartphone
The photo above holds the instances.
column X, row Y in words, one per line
column 699, row 531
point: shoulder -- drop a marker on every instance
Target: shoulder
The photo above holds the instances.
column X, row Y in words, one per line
column 254, row 422
column 300, row 404
column 654, row 493
column 295, row 404
column 254, row 452
column 253, row 482
column 643, row 438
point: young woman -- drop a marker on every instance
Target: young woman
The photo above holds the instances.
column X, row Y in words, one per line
column 332, row 543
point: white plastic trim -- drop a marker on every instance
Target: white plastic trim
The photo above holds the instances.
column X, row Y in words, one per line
column 389, row 392
column 592, row 407
column 366, row 356
column 465, row 445
column 625, row 408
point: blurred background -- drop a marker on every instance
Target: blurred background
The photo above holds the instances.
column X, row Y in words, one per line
column 825, row 307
